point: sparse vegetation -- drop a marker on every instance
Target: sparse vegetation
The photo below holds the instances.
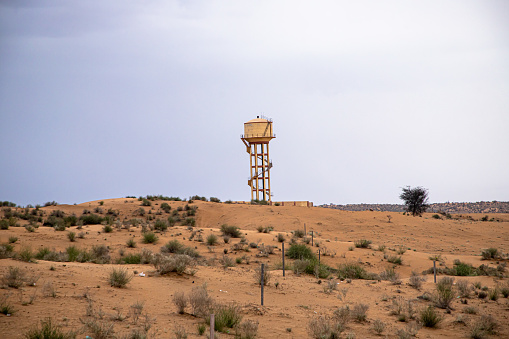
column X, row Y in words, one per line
column 150, row 238
column 363, row 243
column 232, row 231
column 429, row 317
column 444, row 292
column 119, row 277
column 48, row 330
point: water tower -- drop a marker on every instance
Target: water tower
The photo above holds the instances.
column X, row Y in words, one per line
column 256, row 137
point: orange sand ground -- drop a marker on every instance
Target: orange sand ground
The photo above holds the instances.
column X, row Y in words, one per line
column 289, row 306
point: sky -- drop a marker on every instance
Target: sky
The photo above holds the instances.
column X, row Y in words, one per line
column 105, row 99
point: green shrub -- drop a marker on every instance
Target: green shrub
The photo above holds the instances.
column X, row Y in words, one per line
column 161, row 225
column 280, row 237
column 189, row 222
column 26, row 254
column 13, row 239
column 146, row 202
column 91, row 219
column 232, row 231
column 150, row 238
column 300, row 251
column 226, row 316
column 119, row 277
column 71, row 236
column 72, row 253
column 132, row 258
column 4, row 224
column 48, row 330
column 395, row 260
column 266, row 275
column 107, row 229
column 359, row 311
column 363, row 243
column 445, row 293
column 352, row 270
column 212, row 240
column 490, row 253
column 165, row 207
column 436, row 216
column 430, row 317
column 214, row 199
column 6, row 251
column 131, row 243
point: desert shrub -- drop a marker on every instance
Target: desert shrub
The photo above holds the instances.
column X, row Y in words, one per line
column 71, row 236
column 391, row 275
column 232, row 231
column 319, row 270
column 280, row 237
column 189, row 222
column 359, row 311
column 300, row 251
column 173, row 246
column 482, row 294
column 107, row 229
column 5, row 306
column 429, row 317
column 134, row 258
column 6, row 251
column 14, row 277
column 363, row 243
column 180, row 300
column 99, row 329
column 416, row 280
column 200, row 301
column 258, row 275
column 490, row 253
column 329, row 286
column 212, row 240
column 119, row 277
column 444, row 292
column 201, row 329
column 463, row 269
column 246, row 330
column 131, row 243
column 226, row 239
column 505, row 290
column 321, row 327
column 226, row 316
column 226, row 261
column 26, row 254
column 378, row 326
column 482, row 327
column 150, row 238
column 71, row 220
column 352, row 270
column 394, row 259
column 299, row 233
column 161, row 225
column 299, row 266
column 48, row 330
column 178, row 263
column 91, row 219
column 493, row 294
column 100, row 254
column 145, row 202
column 463, row 288
column 214, row 199
column 470, row 310
column 436, row 216
column 166, row 207
column 4, row 224
column 13, row 239
column 72, row 253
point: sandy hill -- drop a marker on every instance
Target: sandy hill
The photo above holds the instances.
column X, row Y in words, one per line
column 69, row 281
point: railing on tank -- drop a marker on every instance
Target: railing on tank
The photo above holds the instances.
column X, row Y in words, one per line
column 242, row 136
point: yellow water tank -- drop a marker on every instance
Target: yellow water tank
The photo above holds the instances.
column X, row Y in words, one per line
column 258, row 131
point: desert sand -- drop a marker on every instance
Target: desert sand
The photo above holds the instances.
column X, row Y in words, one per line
column 66, row 291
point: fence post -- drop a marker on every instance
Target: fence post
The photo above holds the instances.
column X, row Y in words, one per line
column 434, row 272
column 318, row 257
column 212, row 322
column 283, row 258
column 261, row 280
column 312, row 238
column 305, row 234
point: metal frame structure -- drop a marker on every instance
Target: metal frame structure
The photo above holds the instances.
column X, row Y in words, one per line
column 257, row 145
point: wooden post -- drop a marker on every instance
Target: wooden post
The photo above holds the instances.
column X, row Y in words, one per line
column 212, row 322
column 261, row 280
column 305, row 234
column 434, row 272
column 312, row 238
column 283, row 258
column 318, row 257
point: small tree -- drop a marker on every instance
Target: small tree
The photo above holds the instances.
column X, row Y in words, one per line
column 416, row 200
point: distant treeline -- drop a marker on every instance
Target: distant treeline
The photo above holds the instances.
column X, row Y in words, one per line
column 447, row 207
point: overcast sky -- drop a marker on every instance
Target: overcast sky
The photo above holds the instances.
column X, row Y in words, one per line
column 103, row 99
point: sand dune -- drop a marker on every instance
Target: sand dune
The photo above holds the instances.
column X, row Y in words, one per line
column 64, row 290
